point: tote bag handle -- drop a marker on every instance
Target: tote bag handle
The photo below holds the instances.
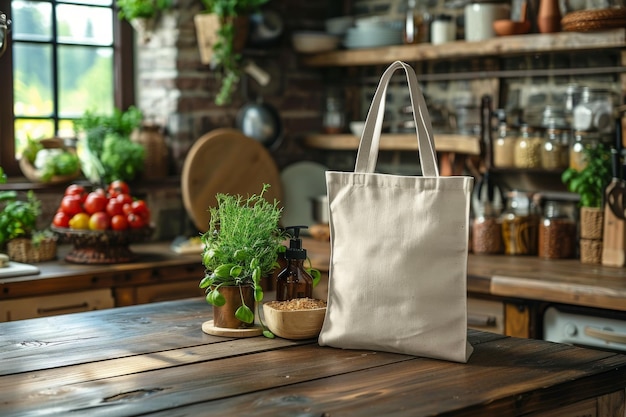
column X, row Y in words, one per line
column 367, row 154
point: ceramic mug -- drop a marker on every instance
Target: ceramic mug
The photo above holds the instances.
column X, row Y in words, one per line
column 479, row 18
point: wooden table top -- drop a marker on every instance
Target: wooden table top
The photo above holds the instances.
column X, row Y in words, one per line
column 154, row 359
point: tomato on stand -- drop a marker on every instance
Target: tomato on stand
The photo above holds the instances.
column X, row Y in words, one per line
column 71, row 204
column 119, row 222
column 61, row 219
column 118, row 187
column 95, row 202
column 135, row 221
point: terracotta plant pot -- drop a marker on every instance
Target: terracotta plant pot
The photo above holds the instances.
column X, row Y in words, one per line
column 224, row 316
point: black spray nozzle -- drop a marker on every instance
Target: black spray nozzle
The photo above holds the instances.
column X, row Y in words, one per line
column 295, row 250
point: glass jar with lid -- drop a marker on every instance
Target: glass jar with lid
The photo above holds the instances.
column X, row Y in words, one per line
column 557, row 232
column 520, row 222
column 554, row 152
column 486, row 230
column 527, row 153
column 580, row 142
column 504, row 147
column 594, row 111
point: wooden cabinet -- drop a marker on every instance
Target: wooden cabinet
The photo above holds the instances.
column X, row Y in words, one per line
column 51, row 305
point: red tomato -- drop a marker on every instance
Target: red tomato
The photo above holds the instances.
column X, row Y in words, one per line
column 100, row 191
column 95, row 202
column 75, row 189
column 114, row 207
column 119, row 222
column 127, row 208
column 61, row 219
column 139, row 207
column 135, row 221
column 125, row 198
column 118, row 187
column 71, row 205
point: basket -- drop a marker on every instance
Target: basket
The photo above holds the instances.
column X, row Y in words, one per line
column 156, row 153
column 22, row 249
column 34, row 175
column 593, row 20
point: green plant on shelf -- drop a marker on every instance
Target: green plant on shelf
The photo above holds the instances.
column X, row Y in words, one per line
column 591, row 181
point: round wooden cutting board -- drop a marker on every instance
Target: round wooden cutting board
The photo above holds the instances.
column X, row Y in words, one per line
column 225, row 161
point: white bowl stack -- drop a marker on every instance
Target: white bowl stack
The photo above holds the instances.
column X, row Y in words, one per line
column 372, row 32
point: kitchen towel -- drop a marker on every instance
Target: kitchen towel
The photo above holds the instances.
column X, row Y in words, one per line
column 398, row 267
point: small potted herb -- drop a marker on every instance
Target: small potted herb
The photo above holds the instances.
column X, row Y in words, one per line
column 590, row 183
column 219, row 29
column 18, row 233
column 241, row 247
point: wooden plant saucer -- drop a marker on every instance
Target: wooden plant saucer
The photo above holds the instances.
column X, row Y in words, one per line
column 209, row 328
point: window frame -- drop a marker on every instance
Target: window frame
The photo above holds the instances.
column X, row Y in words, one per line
column 123, row 85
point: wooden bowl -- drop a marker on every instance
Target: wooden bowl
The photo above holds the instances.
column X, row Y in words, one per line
column 506, row 27
column 294, row 324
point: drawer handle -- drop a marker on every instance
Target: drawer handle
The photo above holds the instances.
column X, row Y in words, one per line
column 606, row 335
column 57, row 309
column 481, row 320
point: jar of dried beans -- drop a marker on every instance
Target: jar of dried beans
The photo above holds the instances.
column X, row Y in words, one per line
column 557, row 232
column 486, row 230
column 527, row 153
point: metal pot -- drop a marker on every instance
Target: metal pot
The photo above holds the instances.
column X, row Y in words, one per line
column 257, row 119
column 320, row 209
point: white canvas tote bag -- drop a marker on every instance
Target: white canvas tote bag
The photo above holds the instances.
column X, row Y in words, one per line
column 398, row 268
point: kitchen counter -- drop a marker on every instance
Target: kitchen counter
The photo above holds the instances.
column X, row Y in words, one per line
column 528, row 277
column 155, row 360
column 156, row 263
column 504, row 278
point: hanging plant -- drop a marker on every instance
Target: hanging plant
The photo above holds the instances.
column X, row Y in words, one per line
column 225, row 51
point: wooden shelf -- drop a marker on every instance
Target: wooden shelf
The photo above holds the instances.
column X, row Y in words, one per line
column 500, row 46
column 396, row 142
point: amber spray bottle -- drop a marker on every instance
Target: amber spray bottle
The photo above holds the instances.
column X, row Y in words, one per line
column 294, row 281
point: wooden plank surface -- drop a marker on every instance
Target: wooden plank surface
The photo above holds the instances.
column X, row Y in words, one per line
column 154, row 359
column 499, row 46
column 563, row 281
column 463, row 144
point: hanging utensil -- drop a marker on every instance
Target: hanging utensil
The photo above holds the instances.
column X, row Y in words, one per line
column 257, row 119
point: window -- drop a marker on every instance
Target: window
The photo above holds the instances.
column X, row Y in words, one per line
column 65, row 57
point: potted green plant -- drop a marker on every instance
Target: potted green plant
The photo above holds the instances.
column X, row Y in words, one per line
column 142, row 14
column 222, row 30
column 241, row 247
column 590, row 183
column 18, row 229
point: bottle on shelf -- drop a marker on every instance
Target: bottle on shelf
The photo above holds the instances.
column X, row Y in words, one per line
column 416, row 24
